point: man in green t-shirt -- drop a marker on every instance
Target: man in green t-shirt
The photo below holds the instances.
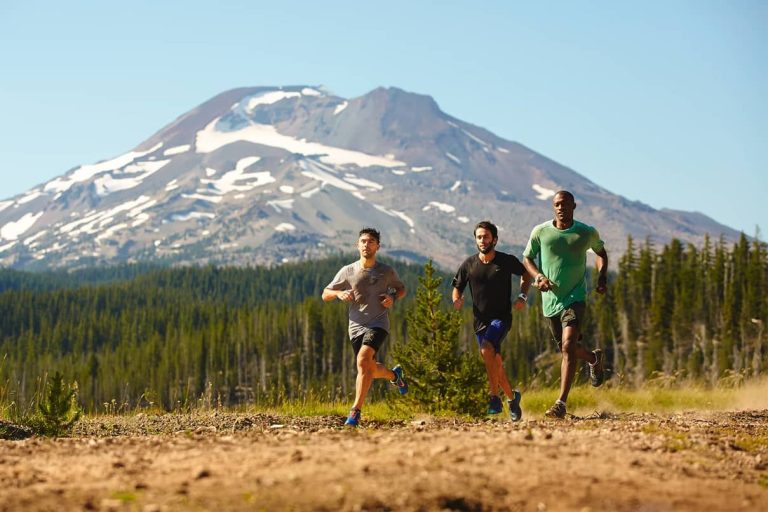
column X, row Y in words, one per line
column 562, row 245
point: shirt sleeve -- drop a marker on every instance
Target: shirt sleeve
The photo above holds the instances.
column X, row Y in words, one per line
column 340, row 281
column 534, row 245
column 395, row 281
column 462, row 275
column 596, row 244
column 517, row 266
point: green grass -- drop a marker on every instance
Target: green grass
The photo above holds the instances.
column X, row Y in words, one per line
column 125, row 496
column 380, row 410
column 586, row 399
column 582, row 400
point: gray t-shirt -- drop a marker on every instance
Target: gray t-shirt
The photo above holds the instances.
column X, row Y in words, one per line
column 369, row 286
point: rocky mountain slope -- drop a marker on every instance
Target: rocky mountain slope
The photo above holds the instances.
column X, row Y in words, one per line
column 265, row 175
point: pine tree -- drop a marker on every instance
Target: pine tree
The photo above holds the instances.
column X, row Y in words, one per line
column 440, row 376
column 58, row 410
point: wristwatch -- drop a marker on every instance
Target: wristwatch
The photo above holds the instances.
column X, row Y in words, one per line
column 523, row 296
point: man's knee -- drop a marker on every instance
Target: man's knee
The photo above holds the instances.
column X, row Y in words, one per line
column 568, row 347
column 487, row 349
column 365, row 360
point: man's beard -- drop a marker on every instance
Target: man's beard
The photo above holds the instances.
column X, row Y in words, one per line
column 487, row 249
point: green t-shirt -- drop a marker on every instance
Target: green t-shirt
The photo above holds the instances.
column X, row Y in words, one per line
column 563, row 261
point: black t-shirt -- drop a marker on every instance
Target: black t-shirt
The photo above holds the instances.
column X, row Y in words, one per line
column 491, row 286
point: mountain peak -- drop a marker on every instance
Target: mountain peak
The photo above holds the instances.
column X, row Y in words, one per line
column 262, row 175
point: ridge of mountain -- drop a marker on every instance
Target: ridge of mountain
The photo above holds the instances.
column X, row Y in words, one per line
column 264, row 175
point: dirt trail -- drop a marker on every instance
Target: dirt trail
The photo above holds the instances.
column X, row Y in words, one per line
column 223, row 462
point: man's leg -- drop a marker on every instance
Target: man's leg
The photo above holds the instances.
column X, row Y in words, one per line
column 502, row 377
column 571, row 348
column 568, row 364
column 488, row 353
column 367, row 370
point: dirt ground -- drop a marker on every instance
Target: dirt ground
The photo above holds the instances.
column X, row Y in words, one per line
column 230, row 462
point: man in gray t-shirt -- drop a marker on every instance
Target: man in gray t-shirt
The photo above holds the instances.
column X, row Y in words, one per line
column 369, row 288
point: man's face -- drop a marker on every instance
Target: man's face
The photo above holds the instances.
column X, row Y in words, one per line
column 484, row 240
column 563, row 207
column 367, row 245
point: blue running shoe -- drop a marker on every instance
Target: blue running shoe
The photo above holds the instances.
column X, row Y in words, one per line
column 354, row 418
column 494, row 405
column 399, row 381
column 515, row 412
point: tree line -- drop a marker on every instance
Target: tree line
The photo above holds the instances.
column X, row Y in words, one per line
column 180, row 337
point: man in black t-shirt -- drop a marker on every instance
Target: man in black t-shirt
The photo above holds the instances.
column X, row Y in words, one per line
column 489, row 275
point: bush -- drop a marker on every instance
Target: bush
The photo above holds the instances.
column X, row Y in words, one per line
column 58, row 410
column 440, row 377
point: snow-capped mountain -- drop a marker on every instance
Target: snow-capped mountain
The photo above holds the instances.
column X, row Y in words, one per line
column 271, row 174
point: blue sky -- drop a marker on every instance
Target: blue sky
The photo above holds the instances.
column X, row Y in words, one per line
column 665, row 102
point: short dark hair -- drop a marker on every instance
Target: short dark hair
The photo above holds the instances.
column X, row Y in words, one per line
column 565, row 194
column 370, row 231
column 486, row 224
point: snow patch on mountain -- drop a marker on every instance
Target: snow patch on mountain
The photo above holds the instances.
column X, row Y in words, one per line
column 12, row 230
column 285, row 226
column 231, row 180
column 30, row 241
column 309, row 193
column 250, row 103
column 280, row 205
column 543, row 192
column 108, row 183
column 93, row 221
column 400, row 215
column 361, row 182
column 182, row 217
column 177, row 150
column 455, row 186
column 340, row 107
column 325, row 175
column 212, row 138
column 5, row 204
column 110, row 231
column 446, row 208
column 5, row 247
column 86, row 172
column 202, row 196
column 30, row 196
column 453, row 157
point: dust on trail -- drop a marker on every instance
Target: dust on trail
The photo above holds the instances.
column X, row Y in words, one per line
column 604, row 462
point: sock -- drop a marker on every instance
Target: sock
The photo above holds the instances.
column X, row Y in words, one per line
column 558, row 401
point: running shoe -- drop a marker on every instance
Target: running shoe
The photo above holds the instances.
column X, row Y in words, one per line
column 515, row 412
column 494, row 405
column 556, row 411
column 596, row 371
column 399, row 381
column 353, row 419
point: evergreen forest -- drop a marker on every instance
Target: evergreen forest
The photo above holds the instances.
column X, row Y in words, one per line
column 137, row 336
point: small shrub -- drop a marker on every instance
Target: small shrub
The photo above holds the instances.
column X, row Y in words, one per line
column 441, row 378
column 58, row 410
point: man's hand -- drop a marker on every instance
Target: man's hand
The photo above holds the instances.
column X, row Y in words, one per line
column 346, row 296
column 458, row 303
column 602, row 284
column 387, row 301
column 543, row 283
